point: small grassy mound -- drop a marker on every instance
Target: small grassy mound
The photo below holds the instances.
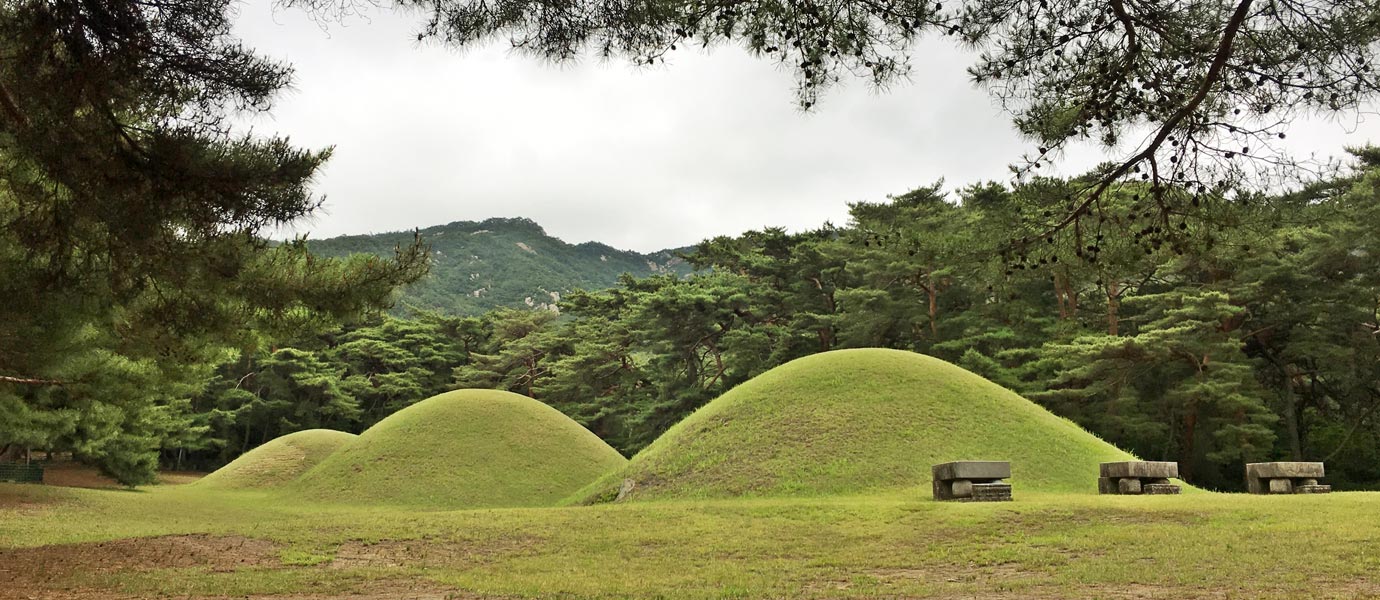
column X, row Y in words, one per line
column 278, row 461
column 856, row 421
column 464, row 449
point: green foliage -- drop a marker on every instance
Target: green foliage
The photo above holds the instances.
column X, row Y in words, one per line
column 345, row 379
column 1181, row 384
column 520, row 340
column 132, row 257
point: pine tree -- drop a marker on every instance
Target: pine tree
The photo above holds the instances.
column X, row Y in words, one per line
column 133, row 216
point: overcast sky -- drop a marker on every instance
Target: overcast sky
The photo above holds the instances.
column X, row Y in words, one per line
column 637, row 158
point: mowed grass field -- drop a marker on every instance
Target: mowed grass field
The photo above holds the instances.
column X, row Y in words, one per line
column 187, row 542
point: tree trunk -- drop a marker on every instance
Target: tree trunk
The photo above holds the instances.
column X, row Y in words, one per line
column 826, row 333
column 1186, row 452
column 932, row 292
column 826, row 339
column 1059, row 297
column 1067, row 297
column 1291, row 421
column 1113, row 307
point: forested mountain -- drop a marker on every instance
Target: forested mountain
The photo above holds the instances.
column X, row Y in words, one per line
column 504, row 262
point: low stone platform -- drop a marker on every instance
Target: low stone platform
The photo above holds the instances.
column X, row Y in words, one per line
column 1159, row 488
column 991, row 492
column 1285, row 478
column 1137, row 478
column 972, row 480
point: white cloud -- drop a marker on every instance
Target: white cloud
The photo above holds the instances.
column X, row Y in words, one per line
column 636, row 158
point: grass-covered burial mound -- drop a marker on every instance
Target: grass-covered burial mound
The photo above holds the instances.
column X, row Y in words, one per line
column 279, row 461
column 465, row 449
column 854, row 421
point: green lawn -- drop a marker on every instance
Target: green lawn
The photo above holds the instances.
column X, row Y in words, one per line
column 902, row 544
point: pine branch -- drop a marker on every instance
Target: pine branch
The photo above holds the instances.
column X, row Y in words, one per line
column 30, row 381
column 11, row 109
column 1213, row 75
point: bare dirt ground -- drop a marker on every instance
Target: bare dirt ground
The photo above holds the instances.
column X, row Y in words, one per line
column 423, row 553
column 376, row 590
column 42, row 573
column 73, row 474
column 219, row 553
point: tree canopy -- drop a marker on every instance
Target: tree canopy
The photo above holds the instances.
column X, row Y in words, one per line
column 132, row 252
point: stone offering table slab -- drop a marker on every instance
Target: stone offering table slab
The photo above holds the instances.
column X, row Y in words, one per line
column 972, row 480
column 1137, row 477
column 1285, row 478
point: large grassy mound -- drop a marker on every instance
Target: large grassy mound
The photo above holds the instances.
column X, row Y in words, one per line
column 854, row 421
column 278, row 461
column 464, row 449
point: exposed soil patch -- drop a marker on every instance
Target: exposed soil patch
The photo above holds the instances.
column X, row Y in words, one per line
column 1032, row 522
column 70, row 474
column 374, row 590
column 428, row 553
column 953, row 573
column 16, row 497
column 73, row 474
column 33, row 568
column 398, row 589
column 991, row 575
column 1126, row 592
column 43, row 573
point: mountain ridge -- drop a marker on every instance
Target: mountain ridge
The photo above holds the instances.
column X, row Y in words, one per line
column 478, row 266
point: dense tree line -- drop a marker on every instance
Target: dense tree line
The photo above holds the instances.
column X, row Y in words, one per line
column 1253, row 339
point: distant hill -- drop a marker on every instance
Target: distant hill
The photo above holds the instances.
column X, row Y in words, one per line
column 479, row 266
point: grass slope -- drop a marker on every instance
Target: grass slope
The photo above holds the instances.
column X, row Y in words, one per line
column 464, row 449
column 278, row 461
column 855, row 421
